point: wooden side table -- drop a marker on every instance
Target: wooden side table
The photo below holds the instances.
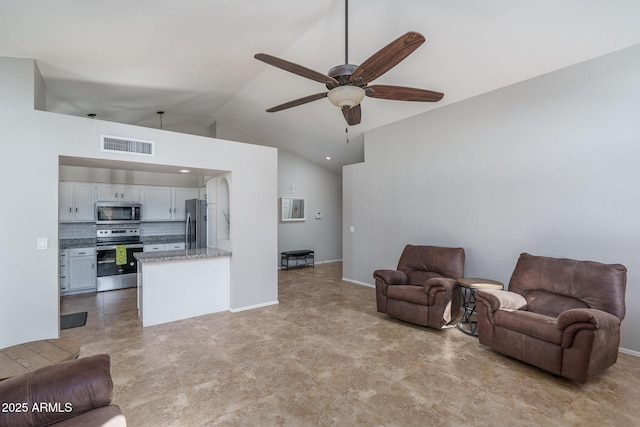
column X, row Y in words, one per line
column 468, row 287
column 30, row 356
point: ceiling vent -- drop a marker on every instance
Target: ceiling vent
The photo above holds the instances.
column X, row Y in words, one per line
column 116, row 144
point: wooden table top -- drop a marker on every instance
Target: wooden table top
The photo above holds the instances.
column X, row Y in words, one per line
column 479, row 283
column 30, row 356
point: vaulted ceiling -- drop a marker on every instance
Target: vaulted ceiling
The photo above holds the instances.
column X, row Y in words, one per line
column 126, row 60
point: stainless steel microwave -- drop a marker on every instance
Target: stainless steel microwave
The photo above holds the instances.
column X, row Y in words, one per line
column 118, row 213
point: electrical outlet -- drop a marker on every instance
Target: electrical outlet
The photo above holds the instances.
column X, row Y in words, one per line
column 42, row 243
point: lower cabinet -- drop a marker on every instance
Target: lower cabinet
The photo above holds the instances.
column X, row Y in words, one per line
column 154, row 248
column 176, row 246
column 164, row 247
column 77, row 270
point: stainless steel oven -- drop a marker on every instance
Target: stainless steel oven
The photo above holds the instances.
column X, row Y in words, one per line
column 117, row 267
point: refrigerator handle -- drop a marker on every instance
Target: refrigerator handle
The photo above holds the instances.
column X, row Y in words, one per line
column 187, row 231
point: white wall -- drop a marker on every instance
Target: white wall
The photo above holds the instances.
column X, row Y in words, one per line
column 118, row 176
column 32, row 142
column 548, row 166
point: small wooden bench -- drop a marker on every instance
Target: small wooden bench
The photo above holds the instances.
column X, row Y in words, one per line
column 294, row 259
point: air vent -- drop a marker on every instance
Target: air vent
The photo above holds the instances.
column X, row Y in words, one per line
column 116, row 144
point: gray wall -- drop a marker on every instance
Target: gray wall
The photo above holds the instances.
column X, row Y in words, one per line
column 323, row 190
column 548, row 166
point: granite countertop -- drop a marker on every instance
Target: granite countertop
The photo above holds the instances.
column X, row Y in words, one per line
column 154, row 240
column 180, row 254
column 147, row 240
column 77, row 243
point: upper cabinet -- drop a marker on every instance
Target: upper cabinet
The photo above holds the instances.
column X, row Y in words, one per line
column 156, row 203
column 165, row 203
column 181, row 195
column 76, row 202
column 118, row 193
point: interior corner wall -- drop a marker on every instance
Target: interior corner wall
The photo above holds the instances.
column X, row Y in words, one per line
column 32, row 143
column 323, row 190
column 547, row 166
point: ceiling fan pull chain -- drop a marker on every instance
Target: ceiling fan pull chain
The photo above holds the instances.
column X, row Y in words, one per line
column 346, row 130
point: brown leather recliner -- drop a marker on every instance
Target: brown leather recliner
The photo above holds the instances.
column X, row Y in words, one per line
column 558, row 314
column 73, row 393
column 424, row 288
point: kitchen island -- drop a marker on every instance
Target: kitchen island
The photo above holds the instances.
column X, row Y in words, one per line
column 180, row 284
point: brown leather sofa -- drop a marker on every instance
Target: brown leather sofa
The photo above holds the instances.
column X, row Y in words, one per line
column 558, row 314
column 73, row 393
column 424, row 288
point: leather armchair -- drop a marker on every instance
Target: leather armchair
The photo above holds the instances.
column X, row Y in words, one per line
column 424, row 288
column 558, row 314
column 73, row 393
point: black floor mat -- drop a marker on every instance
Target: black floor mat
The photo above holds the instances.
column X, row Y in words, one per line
column 74, row 320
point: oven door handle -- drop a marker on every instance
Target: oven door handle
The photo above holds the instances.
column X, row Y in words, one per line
column 113, row 247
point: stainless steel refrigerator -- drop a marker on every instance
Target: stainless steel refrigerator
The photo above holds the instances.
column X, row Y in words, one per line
column 196, row 223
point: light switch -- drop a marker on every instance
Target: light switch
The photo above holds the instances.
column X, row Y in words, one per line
column 352, row 229
column 42, row 243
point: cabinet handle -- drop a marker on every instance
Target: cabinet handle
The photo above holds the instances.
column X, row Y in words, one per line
column 82, row 253
column 76, row 210
column 115, row 195
column 70, row 210
column 122, row 195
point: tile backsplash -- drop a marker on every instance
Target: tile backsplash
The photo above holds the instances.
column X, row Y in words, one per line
column 88, row 230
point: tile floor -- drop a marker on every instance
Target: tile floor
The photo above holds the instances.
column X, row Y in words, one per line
column 324, row 356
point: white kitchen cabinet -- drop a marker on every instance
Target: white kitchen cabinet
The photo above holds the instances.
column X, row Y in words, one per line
column 176, row 246
column 156, row 203
column 64, row 271
column 164, row 247
column 165, row 203
column 118, row 193
column 79, row 270
column 76, row 202
column 181, row 195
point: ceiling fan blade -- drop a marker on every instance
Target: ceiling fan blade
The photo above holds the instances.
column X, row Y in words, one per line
column 352, row 115
column 401, row 93
column 296, row 69
column 297, row 102
column 387, row 58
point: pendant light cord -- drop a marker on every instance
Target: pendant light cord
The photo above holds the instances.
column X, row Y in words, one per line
column 160, row 113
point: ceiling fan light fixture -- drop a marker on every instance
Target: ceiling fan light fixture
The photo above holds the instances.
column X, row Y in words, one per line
column 346, row 96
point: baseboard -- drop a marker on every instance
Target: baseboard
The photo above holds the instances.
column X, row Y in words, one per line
column 627, row 351
column 318, row 262
column 251, row 307
column 368, row 285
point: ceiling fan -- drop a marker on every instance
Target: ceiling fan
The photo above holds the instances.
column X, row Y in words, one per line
column 348, row 84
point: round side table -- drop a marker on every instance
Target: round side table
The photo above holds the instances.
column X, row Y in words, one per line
column 468, row 287
column 30, row 356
